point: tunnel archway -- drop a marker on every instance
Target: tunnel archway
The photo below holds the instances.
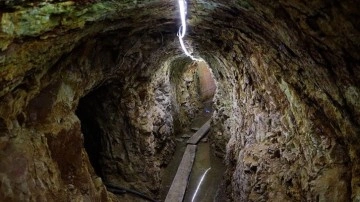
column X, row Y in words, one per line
column 194, row 86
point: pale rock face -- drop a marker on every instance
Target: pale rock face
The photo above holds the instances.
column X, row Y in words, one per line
column 286, row 110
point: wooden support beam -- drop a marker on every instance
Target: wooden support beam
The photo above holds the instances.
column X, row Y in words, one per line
column 178, row 187
column 200, row 133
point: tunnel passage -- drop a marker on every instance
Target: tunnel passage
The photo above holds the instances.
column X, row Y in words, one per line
column 193, row 86
column 193, row 89
column 286, row 108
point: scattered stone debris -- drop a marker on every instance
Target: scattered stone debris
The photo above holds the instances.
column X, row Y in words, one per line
column 195, row 128
column 205, row 139
column 186, row 136
column 179, row 139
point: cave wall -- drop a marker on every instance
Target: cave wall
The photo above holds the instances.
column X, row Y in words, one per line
column 287, row 106
column 186, row 97
column 39, row 125
column 294, row 133
column 207, row 83
column 41, row 128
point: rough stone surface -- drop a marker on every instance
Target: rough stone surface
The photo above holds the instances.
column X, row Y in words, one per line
column 186, row 97
column 207, row 85
column 287, row 110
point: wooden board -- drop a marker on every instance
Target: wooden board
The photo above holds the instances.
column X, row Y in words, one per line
column 178, row 187
column 200, row 133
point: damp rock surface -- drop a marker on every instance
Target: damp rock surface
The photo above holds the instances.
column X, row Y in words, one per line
column 286, row 109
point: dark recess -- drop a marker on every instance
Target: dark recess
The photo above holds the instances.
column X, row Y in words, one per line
column 91, row 130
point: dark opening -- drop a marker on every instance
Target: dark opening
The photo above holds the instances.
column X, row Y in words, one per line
column 90, row 128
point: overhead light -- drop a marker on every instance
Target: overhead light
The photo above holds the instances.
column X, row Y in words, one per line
column 182, row 29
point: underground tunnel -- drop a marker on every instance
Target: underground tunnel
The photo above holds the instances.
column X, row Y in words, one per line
column 99, row 93
column 108, row 135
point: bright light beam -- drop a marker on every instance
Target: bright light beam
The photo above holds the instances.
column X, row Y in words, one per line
column 197, row 188
column 182, row 29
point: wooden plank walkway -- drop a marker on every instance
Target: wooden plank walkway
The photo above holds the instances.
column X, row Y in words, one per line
column 200, row 133
column 178, row 187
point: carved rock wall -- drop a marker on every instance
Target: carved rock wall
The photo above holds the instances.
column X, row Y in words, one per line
column 288, row 116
